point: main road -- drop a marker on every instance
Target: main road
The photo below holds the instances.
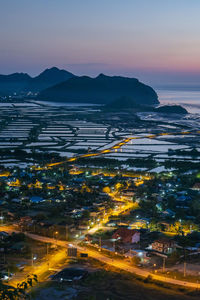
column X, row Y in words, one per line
column 98, row 255
column 114, row 262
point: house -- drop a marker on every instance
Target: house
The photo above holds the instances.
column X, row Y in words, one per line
column 169, row 213
column 139, row 223
column 196, row 186
column 3, row 235
column 183, row 198
column 36, row 199
column 88, row 238
column 128, row 194
column 127, row 235
column 111, row 223
column 15, row 200
column 25, row 221
column 159, row 206
column 164, row 245
column 139, row 253
column 70, row 275
column 19, row 247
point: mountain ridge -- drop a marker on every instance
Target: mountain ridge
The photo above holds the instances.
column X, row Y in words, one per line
column 49, row 77
column 100, row 90
column 23, row 82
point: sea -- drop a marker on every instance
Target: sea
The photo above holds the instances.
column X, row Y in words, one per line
column 190, row 99
column 187, row 98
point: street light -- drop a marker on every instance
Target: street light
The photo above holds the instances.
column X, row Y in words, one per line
column 55, row 236
column 34, row 257
column 1, row 218
column 154, row 268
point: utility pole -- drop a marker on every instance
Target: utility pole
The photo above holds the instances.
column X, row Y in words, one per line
column 67, row 232
column 1, row 218
column 114, row 246
column 100, row 242
column 47, row 248
column 184, row 269
column 32, row 259
column 163, row 264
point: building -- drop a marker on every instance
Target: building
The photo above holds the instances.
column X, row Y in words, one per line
column 127, row 235
column 164, row 245
column 196, row 186
column 128, row 194
column 3, row 235
column 139, row 253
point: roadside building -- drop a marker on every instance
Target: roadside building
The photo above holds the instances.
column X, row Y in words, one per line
column 126, row 235
column 164, row 245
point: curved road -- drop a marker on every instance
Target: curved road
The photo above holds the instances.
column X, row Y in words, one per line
column 123, row 265
column 119, row 145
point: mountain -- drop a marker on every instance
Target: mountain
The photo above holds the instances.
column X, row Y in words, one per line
column 13, row 83
column 175, row 109
column 48, row 78
column 124, row 103
column 127, row 104
column 22, row 82
column 100, row 90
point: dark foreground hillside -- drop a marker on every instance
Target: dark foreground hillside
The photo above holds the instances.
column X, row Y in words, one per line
column 109, row 283
column 118, row 286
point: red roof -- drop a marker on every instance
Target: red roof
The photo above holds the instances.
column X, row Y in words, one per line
column 124, row 234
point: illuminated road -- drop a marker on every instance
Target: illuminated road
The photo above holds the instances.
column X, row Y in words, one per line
column 118, row 146
column 49, row 261
column 119, row 211
column 120, row 264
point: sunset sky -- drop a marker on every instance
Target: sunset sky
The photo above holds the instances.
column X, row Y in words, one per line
column 157, row 41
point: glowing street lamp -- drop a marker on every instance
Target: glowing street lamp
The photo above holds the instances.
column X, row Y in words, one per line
column 154, row 265
column 55, row 236
column 34, row 257
column 1, row 218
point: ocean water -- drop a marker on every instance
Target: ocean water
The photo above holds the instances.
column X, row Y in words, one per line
column 70, row 104
column 188, row 99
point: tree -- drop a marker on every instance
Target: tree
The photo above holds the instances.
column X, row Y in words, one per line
column 106, row 190
column 173, row 258
column 86, row 214
column 135, row 260
column 195, row 206
column 20, row 292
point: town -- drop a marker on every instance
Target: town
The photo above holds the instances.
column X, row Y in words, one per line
column 78, row 190
column 99, row 150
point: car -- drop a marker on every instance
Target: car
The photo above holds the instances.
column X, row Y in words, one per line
column 21, row 266
column 83, row 254
column 5, row 276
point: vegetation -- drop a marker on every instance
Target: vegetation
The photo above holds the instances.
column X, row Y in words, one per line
column 20, row 292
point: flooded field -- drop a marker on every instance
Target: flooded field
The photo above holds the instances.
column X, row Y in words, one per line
column 68, row 130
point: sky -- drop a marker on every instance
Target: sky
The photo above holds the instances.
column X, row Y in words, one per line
column 157, row 41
